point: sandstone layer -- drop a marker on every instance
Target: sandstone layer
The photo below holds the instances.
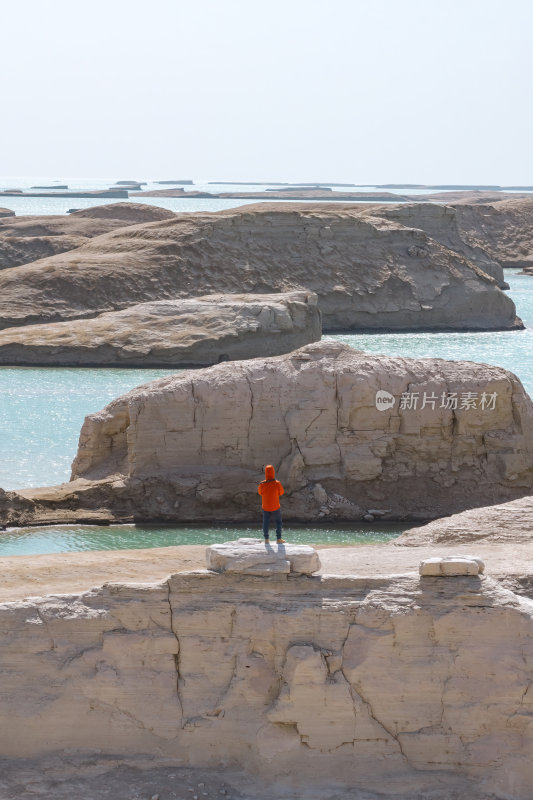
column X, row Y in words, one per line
column 368, row 273
column 405, row 687
column 6, row 212
column 450, row 436
column 180, row 333
column 503, row 229
column 507, row 522
column 23, row 576
column 29, row 238
column 445, row 224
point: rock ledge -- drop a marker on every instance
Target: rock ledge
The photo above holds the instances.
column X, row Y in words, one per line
column 253, row 557
column 452, row 566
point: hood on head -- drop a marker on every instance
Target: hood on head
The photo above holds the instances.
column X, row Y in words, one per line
column 270, row 472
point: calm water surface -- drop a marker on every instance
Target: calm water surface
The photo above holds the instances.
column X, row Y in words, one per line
column 60, row 205
column 73, row 538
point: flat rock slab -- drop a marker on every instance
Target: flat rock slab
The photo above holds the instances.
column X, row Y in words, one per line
column 451, row 566
column 179, row 332
column 253, row 557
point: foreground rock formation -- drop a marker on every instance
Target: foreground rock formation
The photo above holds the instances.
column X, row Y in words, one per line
column 511, row 523
column 349, row 434
column 255, row 557
column 368, row 273
column 189, row 332
column 326, row 684
column 29, row 238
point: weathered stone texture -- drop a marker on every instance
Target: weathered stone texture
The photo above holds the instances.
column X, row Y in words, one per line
column 510, row 523
column 393, row 685
column 368, row 273
column 451, row 566
column 253, row 557
column 192, row 446
column 28, row 238
column 444, row 224
column 503, row 229
column 180, row 333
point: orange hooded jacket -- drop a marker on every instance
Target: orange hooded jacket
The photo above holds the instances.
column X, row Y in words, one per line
column 270, row 490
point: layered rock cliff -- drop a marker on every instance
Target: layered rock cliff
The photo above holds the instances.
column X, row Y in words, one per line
column 445, row 224
column 503, row 229
column 188, row 332
column 368, row 273
column 27, row 239
column 397, row 685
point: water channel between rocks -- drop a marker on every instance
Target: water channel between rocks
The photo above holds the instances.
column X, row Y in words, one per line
column 42, row 410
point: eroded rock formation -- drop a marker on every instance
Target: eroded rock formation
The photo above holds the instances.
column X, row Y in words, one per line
column 503, row 229
column 347, row 431
column 401, row 686
column 27, row 239
column 179, row 333
column 445, row 224
column 511, row 523
column 316, row 415
column 368, row 273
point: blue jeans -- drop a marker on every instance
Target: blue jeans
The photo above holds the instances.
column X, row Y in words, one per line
column 276, row 516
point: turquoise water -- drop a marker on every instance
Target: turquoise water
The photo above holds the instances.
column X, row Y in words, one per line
column 45, row 205
column 74, row 538
column 41, row 413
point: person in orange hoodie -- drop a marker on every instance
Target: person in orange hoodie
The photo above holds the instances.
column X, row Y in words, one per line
column 271, row 490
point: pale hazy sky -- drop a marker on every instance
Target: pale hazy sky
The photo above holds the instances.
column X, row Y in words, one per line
column 342, row 90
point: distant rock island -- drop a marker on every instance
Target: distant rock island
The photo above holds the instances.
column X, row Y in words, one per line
column 369, row 273
column 113, row 193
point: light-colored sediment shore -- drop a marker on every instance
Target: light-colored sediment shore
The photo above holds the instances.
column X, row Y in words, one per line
column 66, row 573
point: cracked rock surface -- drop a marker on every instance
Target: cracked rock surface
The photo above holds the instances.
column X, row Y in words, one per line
column 192, row 446
column 393, row 685
column 368, row 272
column 253, row 557
column 179, row 333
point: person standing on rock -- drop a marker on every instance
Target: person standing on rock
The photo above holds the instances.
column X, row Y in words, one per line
column 271, row 490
